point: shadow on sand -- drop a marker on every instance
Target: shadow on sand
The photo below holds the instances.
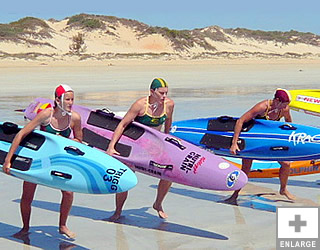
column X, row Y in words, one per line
column 141, row 218
column 40, row 237
column 131, row 217
column 255, row 201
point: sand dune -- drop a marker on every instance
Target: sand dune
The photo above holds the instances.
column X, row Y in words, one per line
column 117, row 38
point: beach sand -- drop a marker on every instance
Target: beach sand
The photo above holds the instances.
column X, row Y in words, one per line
column 197, row 219
column 75, row 62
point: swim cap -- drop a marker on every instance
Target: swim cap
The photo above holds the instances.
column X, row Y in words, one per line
column 158, row 83
column 61, row 89
column 43, row 107
column 59, row 92
column 283, row 95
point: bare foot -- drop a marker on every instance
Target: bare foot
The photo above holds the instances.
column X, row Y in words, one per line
column 65, row 231
column 231, row 200
column 114, row 217
column 22, row 233
column 160, row 211
column 287, row 194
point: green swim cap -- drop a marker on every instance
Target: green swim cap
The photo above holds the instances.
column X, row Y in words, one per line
column 158, row 83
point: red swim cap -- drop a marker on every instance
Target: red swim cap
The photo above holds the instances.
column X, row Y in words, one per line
column 61, row 89
column 283, row 95
column 59, row 92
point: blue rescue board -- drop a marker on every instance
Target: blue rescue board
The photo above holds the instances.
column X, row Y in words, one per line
column 259, row 139
column 65, row 164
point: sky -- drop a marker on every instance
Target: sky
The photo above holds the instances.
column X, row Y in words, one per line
column 268, row 15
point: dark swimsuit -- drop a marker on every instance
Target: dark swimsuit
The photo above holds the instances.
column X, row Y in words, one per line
column 50, row 129
column 152, row 121
column 265, row 116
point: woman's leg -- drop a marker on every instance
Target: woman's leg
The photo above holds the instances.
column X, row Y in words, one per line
column 25, row 206
column 163, row 189
column 65, row 207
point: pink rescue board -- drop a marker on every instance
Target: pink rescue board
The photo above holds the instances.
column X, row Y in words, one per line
column 154, row 153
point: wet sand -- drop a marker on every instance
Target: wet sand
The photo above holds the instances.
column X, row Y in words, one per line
column 197, row 218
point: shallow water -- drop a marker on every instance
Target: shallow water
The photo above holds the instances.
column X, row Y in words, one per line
column 198, row 90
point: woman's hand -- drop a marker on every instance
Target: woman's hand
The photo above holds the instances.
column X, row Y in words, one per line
column 6, row 167
column 234, row 149
column 112, row 151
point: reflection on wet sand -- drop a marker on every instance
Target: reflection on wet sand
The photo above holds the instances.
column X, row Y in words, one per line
column 251, row 196
column 162, row 230
column 142, row 219
column 122, row 244
column 161, row 239
column 41, row 237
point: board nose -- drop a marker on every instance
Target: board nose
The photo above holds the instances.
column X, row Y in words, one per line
column 129, row 180
column 241, row 180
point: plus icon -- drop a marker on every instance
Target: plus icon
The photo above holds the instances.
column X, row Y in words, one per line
column 297, row 223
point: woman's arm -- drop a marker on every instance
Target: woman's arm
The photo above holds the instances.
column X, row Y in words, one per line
column 252, row 113
column 27, row 129
column 168, row 122
column 126, row 120
column 287, row 115
column 76, row 126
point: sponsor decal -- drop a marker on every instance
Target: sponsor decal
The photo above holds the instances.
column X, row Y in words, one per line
column 158, row 165
column 148, row 170
column 279, row 148
column 224, row 165
column 304, row 169
column 155, row 121
column 198, row 164
column 31, row 145
column 23, row 159
column 114, row 176
column 232, row 178
column 308, row 99
column 190, row 160
column 298, row 228
column 297, row 138
column 173, row 129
